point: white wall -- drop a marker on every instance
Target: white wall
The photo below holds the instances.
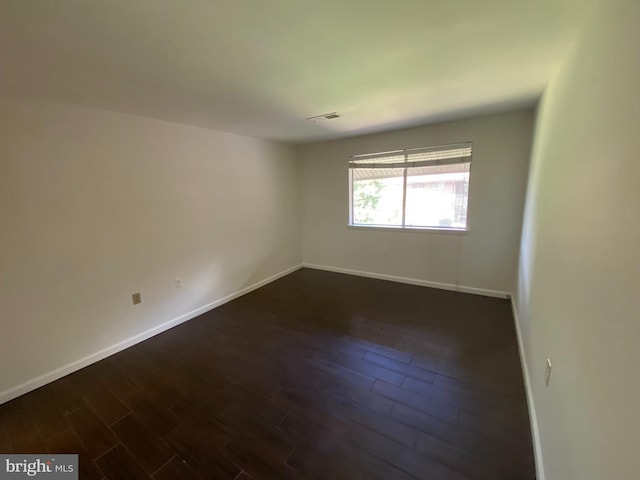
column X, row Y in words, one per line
column 96, row 205
column 579, row 280
column 484, row 258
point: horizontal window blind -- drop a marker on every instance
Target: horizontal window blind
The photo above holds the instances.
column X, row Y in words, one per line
column 420, row 161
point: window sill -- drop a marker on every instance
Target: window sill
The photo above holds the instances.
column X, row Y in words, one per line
column 449, row 231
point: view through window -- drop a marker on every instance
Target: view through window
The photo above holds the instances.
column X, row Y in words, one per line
column 416, row 188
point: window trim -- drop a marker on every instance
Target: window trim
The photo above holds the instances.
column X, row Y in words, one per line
column 403, row 228
column 390, row 228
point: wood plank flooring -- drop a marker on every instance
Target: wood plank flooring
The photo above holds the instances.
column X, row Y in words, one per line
column 315, row 376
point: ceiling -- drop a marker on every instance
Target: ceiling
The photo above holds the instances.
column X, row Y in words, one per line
column 260, row 67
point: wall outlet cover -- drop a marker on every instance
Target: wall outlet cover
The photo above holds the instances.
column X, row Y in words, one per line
column 547, row 373
column 137, row 298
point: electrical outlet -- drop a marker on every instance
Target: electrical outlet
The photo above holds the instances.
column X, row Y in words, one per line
column 547, row 373
column 137, row 298
column 179, row 283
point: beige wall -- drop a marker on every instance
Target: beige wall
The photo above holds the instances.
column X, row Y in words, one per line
column 484, row 258
column 579, row 281
column 96, row 205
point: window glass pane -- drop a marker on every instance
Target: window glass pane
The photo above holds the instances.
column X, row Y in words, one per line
column 437, row 196
column 434, row 193
column 377, row 196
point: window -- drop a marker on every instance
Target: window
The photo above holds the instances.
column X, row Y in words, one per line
column 416, row 188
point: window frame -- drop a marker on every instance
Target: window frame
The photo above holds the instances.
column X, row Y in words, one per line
column 403, row 227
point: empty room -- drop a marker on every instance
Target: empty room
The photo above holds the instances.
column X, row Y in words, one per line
column 319, row 239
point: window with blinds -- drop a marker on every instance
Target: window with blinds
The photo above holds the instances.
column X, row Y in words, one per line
column 415, row 188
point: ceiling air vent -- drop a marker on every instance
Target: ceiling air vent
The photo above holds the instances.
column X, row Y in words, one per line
column 324, row 116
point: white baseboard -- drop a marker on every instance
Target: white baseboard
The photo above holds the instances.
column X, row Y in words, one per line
column 60, row 372
column 535, row 433
column 411, row 281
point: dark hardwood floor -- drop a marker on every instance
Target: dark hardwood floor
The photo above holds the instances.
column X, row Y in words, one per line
column 315, row 376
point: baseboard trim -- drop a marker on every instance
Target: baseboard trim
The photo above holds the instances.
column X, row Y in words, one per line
column 411, row 281
column 60, row 372
column 533, row 419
